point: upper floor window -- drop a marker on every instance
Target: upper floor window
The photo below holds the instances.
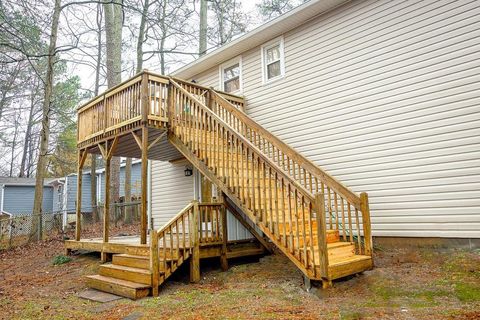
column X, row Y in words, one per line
column 273, row 60
column 231, row 76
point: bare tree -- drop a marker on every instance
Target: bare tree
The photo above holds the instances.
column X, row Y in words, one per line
column 202, row 38
column 270, row 9
column 45, row 132
column 113, row 29
column 230, row 21
column 93, row 165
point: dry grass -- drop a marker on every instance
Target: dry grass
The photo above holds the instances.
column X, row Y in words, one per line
column 404, row 285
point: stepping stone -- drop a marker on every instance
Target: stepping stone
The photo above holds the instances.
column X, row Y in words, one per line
column 98, row 296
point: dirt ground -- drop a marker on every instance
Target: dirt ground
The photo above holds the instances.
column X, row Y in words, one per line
column 405, row 284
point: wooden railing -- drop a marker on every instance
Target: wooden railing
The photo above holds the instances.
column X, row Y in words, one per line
column 268, row 194
column 346, row 211
column 210, row 223
column 173, row 243
column 139, row 100
column 142, row 99
column 196, row 224
column 203, row 94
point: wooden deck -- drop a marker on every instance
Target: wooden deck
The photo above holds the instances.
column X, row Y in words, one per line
column 131, row 245
column 298, row 206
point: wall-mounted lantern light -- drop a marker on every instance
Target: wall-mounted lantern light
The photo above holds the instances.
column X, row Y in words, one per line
column 188, row 172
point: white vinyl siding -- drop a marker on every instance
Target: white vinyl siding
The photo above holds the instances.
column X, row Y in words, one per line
column 171, row 190
column 384, row 95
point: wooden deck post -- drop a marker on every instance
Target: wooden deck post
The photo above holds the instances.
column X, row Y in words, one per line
column 82, row 155
column 143, row 217
column 144, row 97
column 154, row 262
column 106, row 207
column 319, row 206
column 367, row 231
column 107, row 154
column 223, row 254
column 195, row 258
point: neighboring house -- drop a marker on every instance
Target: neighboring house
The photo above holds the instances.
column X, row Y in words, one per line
column 17, row 195
column 67, row 200
column 384, row 95
column 135, row 181
column 59, row 195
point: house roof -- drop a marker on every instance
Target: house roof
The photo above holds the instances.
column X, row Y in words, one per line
column 15, row 181
column 258, row 36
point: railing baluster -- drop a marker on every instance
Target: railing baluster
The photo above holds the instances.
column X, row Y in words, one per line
column 349, row 222
column 343, row 220
column 358, row 232
column 336, row 210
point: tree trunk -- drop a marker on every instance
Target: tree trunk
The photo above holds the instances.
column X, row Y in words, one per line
column 45, row 132
column 8, row 85
column 113, row 30
column 28, row 133
column 14, row 145
column 141, row 36
column 164, row 28
column 202, row 47
column 93, row 167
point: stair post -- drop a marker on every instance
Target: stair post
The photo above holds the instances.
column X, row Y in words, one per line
column 195, row 258
column 223, row 254
column 144, row 97
column 82, row 155
column 367, row 231
column 154, row 262
column 319, row 206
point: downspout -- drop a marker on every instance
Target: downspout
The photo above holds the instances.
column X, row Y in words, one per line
column 64, row 204
column 1, row 198
column 150, row 223
column 196, row 185
column 99, row 188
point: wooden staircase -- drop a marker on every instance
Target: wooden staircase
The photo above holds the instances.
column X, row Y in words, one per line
column 322, row 226
column 137, row 275
column 317, row 222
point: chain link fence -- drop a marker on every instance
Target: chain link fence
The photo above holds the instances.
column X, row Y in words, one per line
column 20, row 229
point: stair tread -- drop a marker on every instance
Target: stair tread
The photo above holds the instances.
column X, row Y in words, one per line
column 331, row 245
column 347, row 260
column 125, row 268
column 126, row 255
column 115, row 281
column 339, row 244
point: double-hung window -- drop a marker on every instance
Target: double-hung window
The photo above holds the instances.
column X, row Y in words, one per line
column 231, row 76
column 273, row 60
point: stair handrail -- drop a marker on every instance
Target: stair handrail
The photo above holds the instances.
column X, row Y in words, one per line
column 298, row 200
column 295, row 183
column 184, row 217
column 359, row 202
column 307, row 164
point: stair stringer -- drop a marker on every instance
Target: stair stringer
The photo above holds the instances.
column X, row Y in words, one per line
column 249, row 213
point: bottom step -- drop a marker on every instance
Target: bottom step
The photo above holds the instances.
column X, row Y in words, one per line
column 124, row 288
column 346, row 266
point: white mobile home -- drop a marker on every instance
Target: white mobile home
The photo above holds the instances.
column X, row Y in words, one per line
column 383, row 95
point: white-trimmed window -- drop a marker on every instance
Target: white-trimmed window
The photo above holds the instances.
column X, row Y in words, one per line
column 273, row 62
column 231, row 76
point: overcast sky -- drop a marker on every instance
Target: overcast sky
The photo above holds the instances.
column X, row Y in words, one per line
column 87, row 74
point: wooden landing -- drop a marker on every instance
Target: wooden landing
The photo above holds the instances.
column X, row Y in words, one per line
column 131, row 245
